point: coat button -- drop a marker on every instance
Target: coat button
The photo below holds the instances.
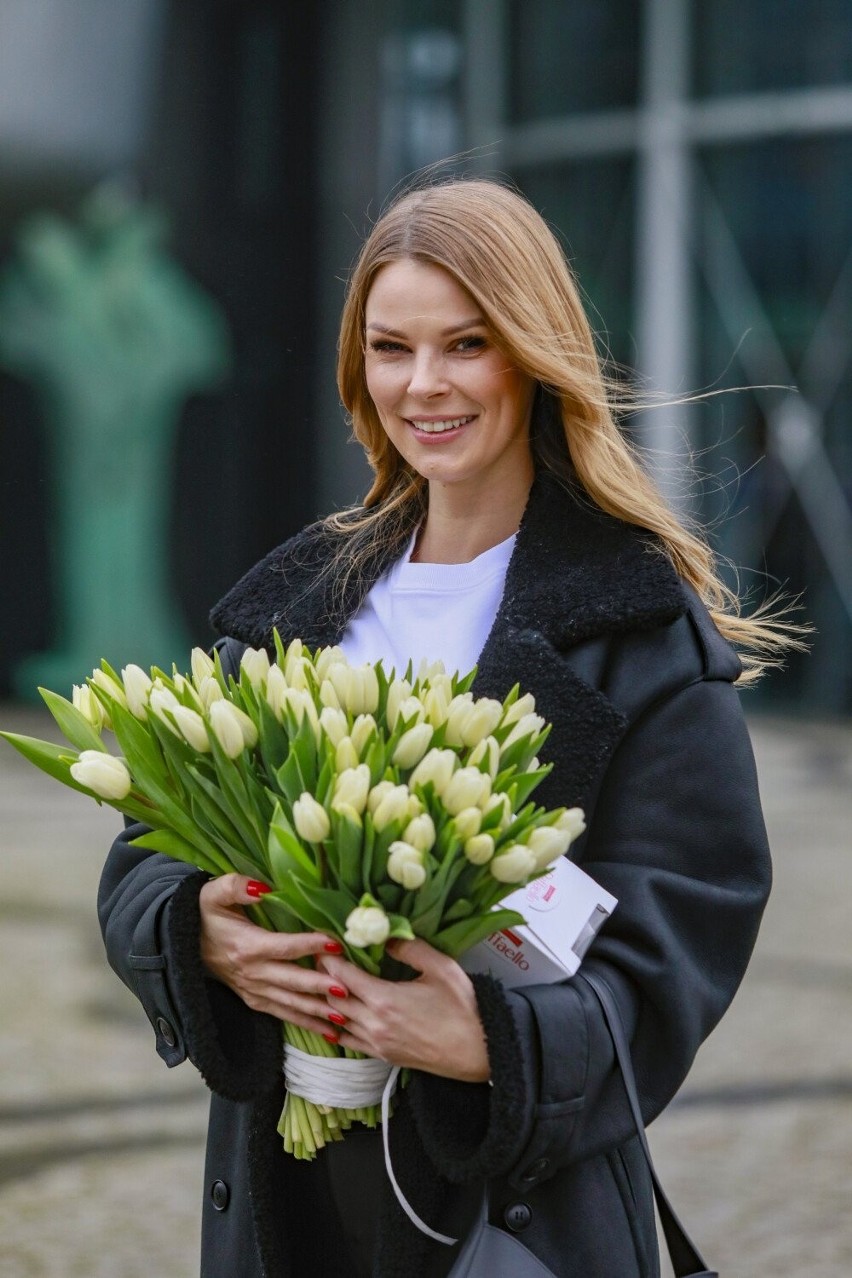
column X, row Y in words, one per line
column 221, row 1195
column 535, row 1171
column 166, row 1031
column 517, row 1217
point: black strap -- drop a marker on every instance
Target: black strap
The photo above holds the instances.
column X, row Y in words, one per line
column 685, row 1257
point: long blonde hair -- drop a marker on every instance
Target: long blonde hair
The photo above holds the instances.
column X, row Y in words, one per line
column 497, row 247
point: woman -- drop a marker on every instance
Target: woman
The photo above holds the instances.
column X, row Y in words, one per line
column 509, row 524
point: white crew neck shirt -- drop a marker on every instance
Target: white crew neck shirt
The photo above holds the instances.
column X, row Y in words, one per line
column 440, row 612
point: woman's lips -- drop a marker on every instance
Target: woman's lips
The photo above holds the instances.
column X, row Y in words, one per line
column 434, row 429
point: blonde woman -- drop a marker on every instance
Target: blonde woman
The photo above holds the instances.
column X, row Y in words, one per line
column 509, row 525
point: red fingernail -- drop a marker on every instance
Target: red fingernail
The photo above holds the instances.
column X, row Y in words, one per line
column 333, row 947
column 331, row 1038
column 338, row 991
column 337, row 1018
column 253, row 888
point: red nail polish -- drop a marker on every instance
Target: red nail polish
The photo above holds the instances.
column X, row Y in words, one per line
column 333, row 947
column 338, row 991
column 331, row 1038
column 337, row 1018
column 253, row 888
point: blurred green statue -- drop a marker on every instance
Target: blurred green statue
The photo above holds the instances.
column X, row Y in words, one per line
column 115, row 337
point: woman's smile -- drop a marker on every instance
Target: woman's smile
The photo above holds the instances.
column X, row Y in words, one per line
column 448, row 398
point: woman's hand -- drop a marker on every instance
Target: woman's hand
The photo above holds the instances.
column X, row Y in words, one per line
column 260, row 966
column 430, row 1023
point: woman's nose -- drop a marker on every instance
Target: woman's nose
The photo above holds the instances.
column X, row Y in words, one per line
column 427, row 376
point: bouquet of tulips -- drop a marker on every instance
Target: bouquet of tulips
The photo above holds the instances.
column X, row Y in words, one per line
column 374, row 806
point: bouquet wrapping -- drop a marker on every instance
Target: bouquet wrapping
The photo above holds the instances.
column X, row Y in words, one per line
column 373, row 805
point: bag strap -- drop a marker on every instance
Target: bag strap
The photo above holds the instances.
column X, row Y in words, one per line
column 685, row 1257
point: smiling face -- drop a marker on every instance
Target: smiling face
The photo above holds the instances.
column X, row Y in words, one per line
column 447, row 397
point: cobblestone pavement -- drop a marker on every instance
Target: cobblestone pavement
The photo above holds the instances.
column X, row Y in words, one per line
column 101, row 1147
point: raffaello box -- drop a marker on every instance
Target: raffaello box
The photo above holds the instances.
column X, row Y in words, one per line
column 564, row 911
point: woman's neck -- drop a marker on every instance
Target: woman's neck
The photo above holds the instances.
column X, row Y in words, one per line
column 457, row 529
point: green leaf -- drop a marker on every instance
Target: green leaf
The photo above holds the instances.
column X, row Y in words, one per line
column 460, row 909
column 400, row 928
column 72, row 724
column 290, row 780
column 171, row 844
column 281, row 914
column 319, row 908
column 347, row 838
column 458, row 937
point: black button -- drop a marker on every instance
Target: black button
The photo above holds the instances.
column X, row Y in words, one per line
column 535, row 1171
column 517, row 1217
column 166, row 1031
column 221, row 1195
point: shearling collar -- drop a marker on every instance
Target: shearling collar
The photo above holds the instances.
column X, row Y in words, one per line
column 575, row 573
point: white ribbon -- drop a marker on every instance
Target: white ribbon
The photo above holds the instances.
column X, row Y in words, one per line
column 345, row 1083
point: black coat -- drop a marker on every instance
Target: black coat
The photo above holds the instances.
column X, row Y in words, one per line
column 649, row 738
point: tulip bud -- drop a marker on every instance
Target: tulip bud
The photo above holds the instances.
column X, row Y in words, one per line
column 547, row 844
column 352, row 787
column 137, row 686
column 529, row 725
column 467, row 788
column 458, row 713
column 300, row 703
column 515, row 865
column 466, row 823
column 110, row 686
column 486, row 749
column 255, row 662
column 103, row 774
column 479, row 849
column 362, row 730
column 430, row 671
column 162, row 702
column 368, row 688
column 392, row 806
column 436, row 704
column 367, row 925
column 310, row 819
column 483, row 719
column 232, row 728
column 405, row 866
column 412, row 745
column 210, row 690
column 333, row 723
column 420, row 832
column 523, row 705
column 201, row 665
column 192, row 728
column 572, row 821
column 412, row 708
column 499, row 801
column 294, row 673
column 437, row 767
column 398, row 690
column 276, row 691
column 345, row 756
column 328, row 695
column 327, row 657
column 84, row 700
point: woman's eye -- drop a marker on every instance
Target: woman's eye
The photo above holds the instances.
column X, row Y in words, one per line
column 471, row 344
column 383, row 346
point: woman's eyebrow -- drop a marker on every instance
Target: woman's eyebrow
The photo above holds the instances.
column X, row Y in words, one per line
column 478, row 322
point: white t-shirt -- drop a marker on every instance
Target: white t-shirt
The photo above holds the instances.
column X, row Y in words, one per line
column 442, row 612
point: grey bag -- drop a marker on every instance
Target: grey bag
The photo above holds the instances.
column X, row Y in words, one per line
column 490, row 1252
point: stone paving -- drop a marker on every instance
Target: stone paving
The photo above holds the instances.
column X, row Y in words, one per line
column 101, row 1146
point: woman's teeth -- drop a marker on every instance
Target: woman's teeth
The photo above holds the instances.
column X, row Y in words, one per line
column 436, row 428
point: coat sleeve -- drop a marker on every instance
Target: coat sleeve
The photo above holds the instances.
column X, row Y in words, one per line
column 678, row 837
column 149, row 916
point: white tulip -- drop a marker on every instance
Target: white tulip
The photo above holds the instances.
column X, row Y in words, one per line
column 458, row 713
column 523, row 705
column 276, row 691
column 467, row 788
column 479, row 849
column 310, row 819
column 392, row 806
column 352, row 787
column 327, row 657
column 529, row 725
column 489, row 750
column 192, row 728
column 367, row 925
column 405, row 866
column 137, row 686
column 379, row 792
column 162, row 702
column 255, row 662
column 515, row 865
column 233, row 728
column 398, row 691
column 420, row 832
column 412, row 745
column 500, row 801
column 411, row 708
column 294, row 672
column 345, row 756
column 333, row 723
column 436, row 703
column 110, row 686
column 572, row 821
column 547, row 844
column 467, row 823
column 328, row 695
column 201, row 665
column 436, row 766
column 103, row 774
column 210, row 690
column 362, row 730
column 84, row 700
